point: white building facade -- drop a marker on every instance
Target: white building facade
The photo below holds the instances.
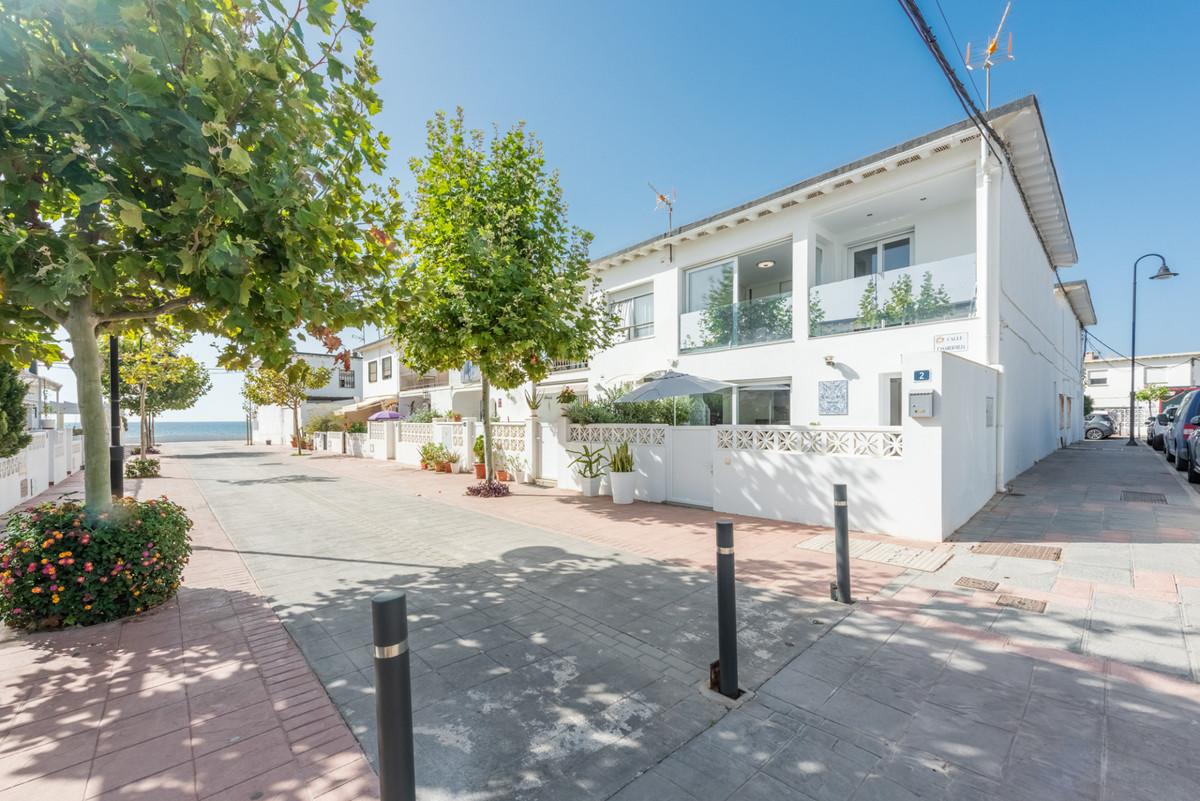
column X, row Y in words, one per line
column 1108, row 384
column 897, row 324
column 272, row 425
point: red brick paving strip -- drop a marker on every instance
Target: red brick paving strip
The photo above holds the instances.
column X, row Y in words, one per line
column 204, row 698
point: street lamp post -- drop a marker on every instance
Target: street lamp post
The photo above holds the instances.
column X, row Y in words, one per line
column 1163, row 272
column 116, row 451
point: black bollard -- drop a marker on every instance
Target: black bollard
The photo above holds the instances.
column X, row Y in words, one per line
column 116, row 451
column 727, row 665
column 840, row 591
column 393, row 697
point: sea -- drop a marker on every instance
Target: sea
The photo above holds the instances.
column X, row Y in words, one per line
column 189, row 431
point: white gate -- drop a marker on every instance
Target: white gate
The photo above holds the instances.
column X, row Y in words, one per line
column 548, row 450
column 690, row 465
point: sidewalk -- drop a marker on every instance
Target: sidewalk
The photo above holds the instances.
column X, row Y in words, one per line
column 205, row 697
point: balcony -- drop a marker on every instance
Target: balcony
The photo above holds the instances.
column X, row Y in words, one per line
column 414, row 381
column 922, row 293
column 736, row 325
column 567, row 365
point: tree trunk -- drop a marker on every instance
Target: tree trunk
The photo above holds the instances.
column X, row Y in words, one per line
column 85, row 364
column 296, row 430
column 485, row 401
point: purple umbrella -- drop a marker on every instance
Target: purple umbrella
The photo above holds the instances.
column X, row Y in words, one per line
column 386, row 414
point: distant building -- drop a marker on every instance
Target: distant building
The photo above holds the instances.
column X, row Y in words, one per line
column 40, row 411
column 273, row 424
column 1107, row 381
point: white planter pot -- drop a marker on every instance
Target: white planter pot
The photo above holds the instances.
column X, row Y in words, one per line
column 589, row 487
column 623, row 485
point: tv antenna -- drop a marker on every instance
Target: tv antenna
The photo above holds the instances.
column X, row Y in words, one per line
column 664, row 201
column 989, row 58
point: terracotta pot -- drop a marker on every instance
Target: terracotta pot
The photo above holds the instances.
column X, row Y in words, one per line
column 424, row 466
column 503, row 475
column 480, row 470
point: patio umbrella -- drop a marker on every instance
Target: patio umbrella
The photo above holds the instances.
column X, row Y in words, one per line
column 386, row 414
column 670, row 384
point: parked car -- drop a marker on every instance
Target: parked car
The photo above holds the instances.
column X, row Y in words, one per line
column 1098, row 425
column 1181, row 429
column 1157, row 426
column 1193, row 464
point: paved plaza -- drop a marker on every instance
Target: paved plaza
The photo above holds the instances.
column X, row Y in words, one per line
column 560, row 646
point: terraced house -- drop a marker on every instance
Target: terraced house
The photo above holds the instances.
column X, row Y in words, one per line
column 913, row 290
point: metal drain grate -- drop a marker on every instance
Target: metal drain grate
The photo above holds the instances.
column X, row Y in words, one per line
column 1024, row 604
column 1019, row 550
column 977, row 584
column 1129, row 496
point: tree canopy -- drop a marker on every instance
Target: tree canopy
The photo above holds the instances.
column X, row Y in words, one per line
column 498, row 276
column 289, row 388
column 203, row 159
column 13, row 436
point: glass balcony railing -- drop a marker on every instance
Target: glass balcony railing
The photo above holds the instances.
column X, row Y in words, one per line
column 735, row 325
column 922, row 293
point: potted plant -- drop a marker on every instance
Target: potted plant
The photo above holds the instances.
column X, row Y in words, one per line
column 451, row 459
column 480, row 465
column 428, row 453
column 621, row 475
column 566, row 395
column 589, row 464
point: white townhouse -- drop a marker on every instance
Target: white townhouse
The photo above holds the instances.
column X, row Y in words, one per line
column 1108, row 380
column 896, row 324
column 833, row 303
column 273, row 424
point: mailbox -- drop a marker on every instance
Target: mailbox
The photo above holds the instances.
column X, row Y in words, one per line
column 920, row 404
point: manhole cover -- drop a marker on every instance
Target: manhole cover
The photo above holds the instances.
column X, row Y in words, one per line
column 1019, row 550
column 1024, row 604
column 977, row 584
column 1142, row 497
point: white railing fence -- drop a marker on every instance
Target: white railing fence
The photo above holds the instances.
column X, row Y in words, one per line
column 878, row 442
column 49, row 458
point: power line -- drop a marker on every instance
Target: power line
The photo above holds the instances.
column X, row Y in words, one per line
column 961, row 56
column 972, row 111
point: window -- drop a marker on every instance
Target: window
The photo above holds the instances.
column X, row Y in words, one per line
column 1098, row 378
column 387, row 367
column 1156, row 375
column 819, row 265
column 708, row 285
column 764, row 405
column 346, row 379
column 634, row 309
column 893, row 253
column 372, row 372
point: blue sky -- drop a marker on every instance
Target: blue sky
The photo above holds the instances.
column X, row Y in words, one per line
column 725, row 102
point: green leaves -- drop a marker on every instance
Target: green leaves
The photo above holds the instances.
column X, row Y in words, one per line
column 192, row 149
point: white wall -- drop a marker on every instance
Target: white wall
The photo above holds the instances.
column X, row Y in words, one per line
column 1040, row 343
column 1173, row 370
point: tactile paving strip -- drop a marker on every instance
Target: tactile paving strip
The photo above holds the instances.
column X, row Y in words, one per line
column 885, row 552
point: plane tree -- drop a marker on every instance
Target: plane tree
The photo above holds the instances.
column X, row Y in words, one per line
column 497, row 276
column 214, row 162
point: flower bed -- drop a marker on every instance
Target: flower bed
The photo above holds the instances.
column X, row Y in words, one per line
column 58, row 567
column 141, row 468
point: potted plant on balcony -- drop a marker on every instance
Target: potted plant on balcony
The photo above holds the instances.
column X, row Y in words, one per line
column 480, row 465
column 589, row 464
column 621, row 475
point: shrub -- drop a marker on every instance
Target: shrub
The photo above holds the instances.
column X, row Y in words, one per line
column 357, row 427
column 489, row 489
column 605, row 409
column 141, row 468
column 478, row 448
column 13, row 436
column 58, row 567
column 424, row 416
column 325, row 422
column 621, row 460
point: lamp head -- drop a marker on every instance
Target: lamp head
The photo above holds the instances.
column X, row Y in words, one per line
column 1163, row 272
